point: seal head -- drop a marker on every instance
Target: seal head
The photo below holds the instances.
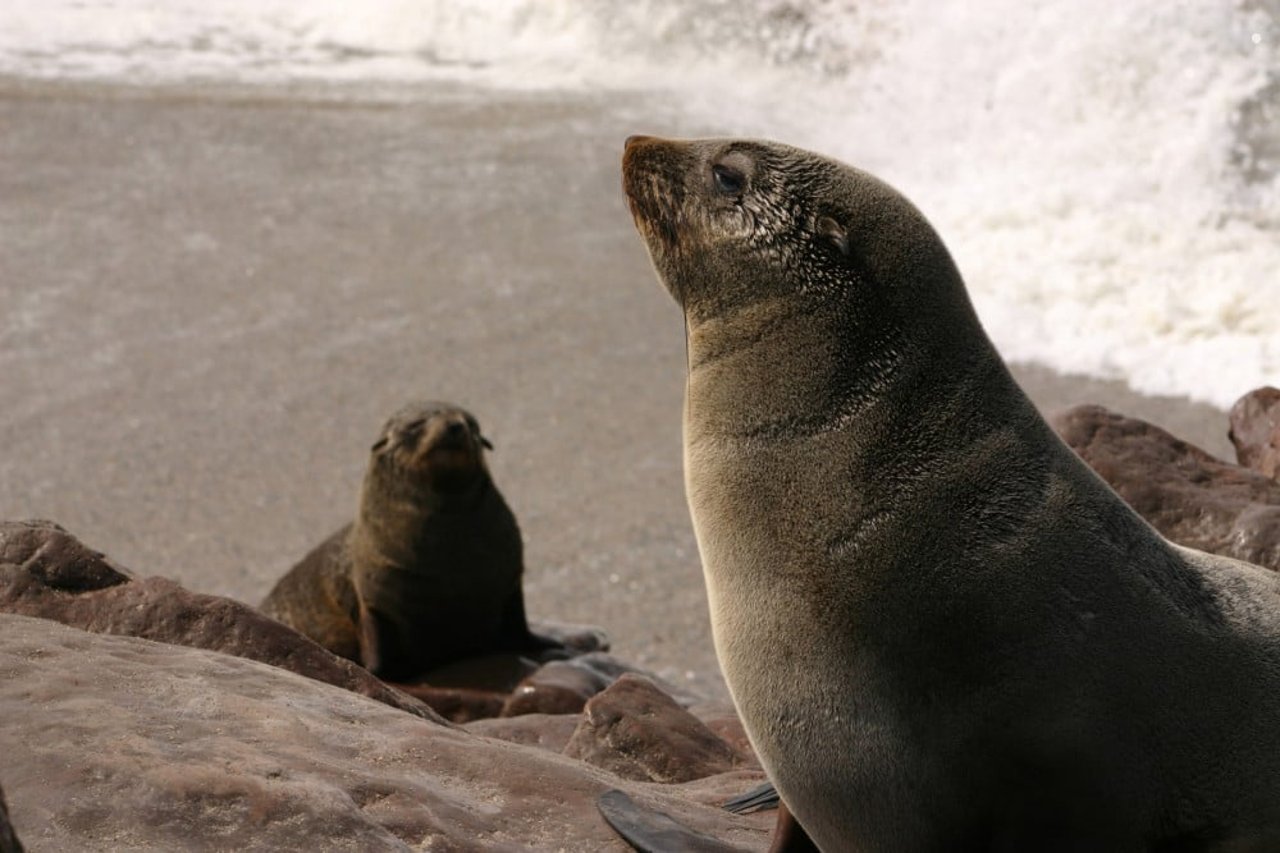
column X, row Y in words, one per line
column 433, row 450
column 729, row 223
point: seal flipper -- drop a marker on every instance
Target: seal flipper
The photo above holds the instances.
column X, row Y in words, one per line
column 517, row 636
column 788, row 835
column 757, row 799
column 650, row 831
column 377, row 644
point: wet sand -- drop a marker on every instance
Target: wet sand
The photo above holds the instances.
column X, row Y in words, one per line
column 212, row 299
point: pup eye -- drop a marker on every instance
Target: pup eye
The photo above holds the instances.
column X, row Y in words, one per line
column 728, row 181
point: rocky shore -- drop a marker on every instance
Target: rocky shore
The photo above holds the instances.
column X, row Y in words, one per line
column 136, row 714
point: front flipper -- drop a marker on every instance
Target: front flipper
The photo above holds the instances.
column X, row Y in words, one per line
column 543, row 647
column 650, row 831
column 377, row 644
column 789, row 836
column 757, row 799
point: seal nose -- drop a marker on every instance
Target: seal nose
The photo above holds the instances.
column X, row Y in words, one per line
column 637, row 148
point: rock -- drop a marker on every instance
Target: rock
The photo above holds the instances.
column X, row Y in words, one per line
column 46, row 572
column 457, row 704
column 543, row 731
column 638, row 732
column 8, row 838
column 51, row 557
column 470, row 689
column 559, row 687
column 613, row 668
column 578, row 639
column 1255, row 431
column 116, row 743
column 508, row 685
column 563, row 687
column 1188, row 495
column 498, row 672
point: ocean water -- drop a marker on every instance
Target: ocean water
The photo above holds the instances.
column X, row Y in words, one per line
column 1106, row 174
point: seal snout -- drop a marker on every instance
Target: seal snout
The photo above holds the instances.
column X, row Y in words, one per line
column 449, row 454
column 455, row 431
column 635, row 166
column 432, row 439
column 451, row 433
column 651, row 179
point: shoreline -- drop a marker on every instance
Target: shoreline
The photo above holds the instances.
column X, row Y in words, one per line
column 215, row 303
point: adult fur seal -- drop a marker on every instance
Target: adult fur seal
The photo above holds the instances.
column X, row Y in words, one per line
column 941, row 629
column 430, row 570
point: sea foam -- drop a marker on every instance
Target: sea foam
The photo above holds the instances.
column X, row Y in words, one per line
column 1105, row 173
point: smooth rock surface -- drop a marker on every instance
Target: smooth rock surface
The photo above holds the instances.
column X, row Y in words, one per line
column 1188, row 495
column 559, row 687
column 563, row 687
column 46, row 572
column 456, row 704
column 639, row 732
column 1255, row 431
column 544, row 731
column 114, row 743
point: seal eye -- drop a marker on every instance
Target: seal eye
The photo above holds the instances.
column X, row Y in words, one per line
column 728, row 181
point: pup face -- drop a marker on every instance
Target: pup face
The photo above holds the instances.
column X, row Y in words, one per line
column 438, row 445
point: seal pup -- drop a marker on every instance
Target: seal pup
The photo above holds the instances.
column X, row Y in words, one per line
column 941, row 629
column 430, row 570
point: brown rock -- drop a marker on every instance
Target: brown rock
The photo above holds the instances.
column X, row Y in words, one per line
column 8, row 838
column 543, row 731
column 1255, row 431
column 457, row 704
column 1188, row 495
column 509, row 685
column 612, row 668
column 115, row 743
column 577, row 639
column 563, row 687
column 53, row 558
column 499, row 672
column 46, row 572
column 637, row 731
column 559, row 687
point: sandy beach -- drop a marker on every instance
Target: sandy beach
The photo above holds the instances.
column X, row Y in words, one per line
column 213, row 298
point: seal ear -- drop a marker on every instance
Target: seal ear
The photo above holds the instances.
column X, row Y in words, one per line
column 486, row 442
column 834, row 233
column 378, row 445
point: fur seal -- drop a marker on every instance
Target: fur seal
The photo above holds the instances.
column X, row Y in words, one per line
column 430, row 570
column 941, row 629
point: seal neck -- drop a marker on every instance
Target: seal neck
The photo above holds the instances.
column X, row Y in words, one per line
column 396, row 516
column 790, row 367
